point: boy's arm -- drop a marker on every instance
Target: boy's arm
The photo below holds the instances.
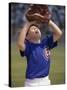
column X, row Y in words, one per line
column 22, row 36
column 56, row 31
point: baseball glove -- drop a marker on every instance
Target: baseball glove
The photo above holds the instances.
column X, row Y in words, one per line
column 38, row 13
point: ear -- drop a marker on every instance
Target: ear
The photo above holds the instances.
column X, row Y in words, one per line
column 28, row 37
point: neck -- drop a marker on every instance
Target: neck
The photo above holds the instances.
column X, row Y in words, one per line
column 35, row 41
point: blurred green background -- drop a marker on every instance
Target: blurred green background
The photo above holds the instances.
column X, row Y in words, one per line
column 18, row 66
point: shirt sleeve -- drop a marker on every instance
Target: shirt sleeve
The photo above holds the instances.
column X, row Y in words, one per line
column 27, row 51
column 48, row 41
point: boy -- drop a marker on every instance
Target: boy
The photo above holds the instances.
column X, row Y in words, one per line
column 37, row 52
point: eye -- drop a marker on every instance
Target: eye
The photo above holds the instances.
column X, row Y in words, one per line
column 35, row 28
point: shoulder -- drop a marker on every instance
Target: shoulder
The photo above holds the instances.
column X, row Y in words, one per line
column 29, row 45
column 44, row 39
column 47, row 39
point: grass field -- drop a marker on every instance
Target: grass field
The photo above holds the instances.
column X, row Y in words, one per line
column 18, row 66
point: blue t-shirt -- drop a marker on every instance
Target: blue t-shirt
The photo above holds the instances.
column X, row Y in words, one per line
column 38, row 58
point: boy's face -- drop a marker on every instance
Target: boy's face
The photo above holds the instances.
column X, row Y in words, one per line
column 34, row 33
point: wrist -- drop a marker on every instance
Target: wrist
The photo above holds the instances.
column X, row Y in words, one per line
column 50, row 22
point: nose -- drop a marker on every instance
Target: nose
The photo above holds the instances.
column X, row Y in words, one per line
column 36, row 32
